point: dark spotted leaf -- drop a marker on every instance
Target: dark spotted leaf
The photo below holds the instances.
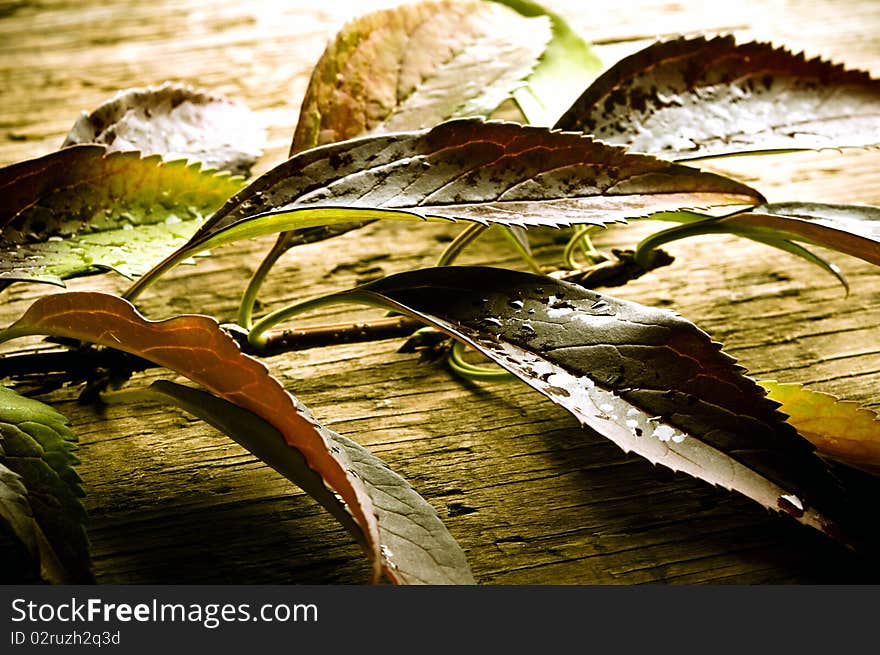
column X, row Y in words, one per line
column 645, row 378
column 487, row 172
column 416, row 65
column 197, row 348
column 416, row 546
column 700, row 97
column 175, row 121
column 40, row 493
column 82, row 210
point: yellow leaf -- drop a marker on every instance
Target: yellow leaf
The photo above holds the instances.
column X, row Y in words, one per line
column 840, row 429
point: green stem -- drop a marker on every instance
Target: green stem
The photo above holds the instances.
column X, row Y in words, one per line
column 654, row 241
column 145, row 281
column 471, row 371
column 723, row 225
column 249, row 297
column 568, row 253
column 464, row 238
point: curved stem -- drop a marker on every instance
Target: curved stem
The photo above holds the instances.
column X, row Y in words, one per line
column 721, row 226
column 464, row 238
column 471, row 371
column 581, row 239
column 249, row 297
column 568, row 253
column 145, row 281
column 472, row 232
column 654, row 241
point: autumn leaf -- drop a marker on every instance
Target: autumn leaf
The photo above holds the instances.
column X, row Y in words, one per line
column 176, row 121
column 645, row 378
column 197, row 348
column 40, row 493
column 416, row 546
column 840, row 429
column 698, row 97
column 468, row 169
column 416, row 65
column 82, row 210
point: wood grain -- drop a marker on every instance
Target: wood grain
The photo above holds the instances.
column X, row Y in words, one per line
column 531, row 497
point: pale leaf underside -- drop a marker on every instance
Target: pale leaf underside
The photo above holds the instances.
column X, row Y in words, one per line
column 175, row 121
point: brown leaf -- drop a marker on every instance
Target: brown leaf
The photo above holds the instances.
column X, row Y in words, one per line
column 851, row 229
column 470, row 169
column 645, row 378
column 700, row 97
column 175, row 121
column 483, row 171
column 417, row 65
column 840, row 429
column 195, row 347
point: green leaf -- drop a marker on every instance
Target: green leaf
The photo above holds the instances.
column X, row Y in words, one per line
column 82, row 210
column 416, row 65
column 24, row 551
column 645, row 378
column 567, row 65
column 175, row 121
column 840, row 429
column 40, row 491
column 691, row 98
column 469, row 169
column 416, row 546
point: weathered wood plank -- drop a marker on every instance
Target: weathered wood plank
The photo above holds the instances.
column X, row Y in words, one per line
column 531, row 497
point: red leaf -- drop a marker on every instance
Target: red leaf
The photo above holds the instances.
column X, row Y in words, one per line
column 197, row 348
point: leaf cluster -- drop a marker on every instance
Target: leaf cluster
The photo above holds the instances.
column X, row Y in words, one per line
column 400, row 122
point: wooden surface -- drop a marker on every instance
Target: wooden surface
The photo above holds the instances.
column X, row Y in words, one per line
column 532, row 498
